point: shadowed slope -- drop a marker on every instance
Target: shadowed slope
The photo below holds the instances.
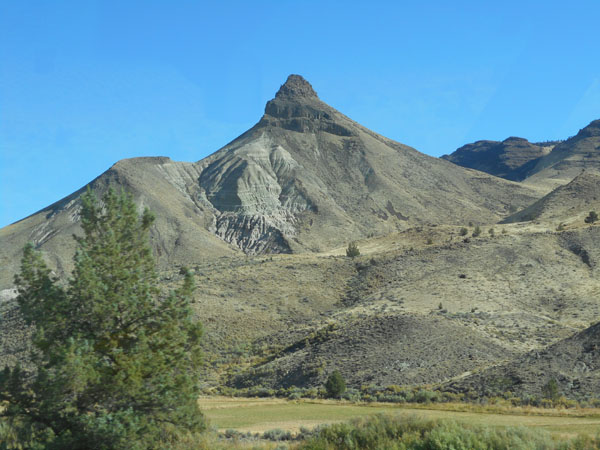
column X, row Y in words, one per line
column 502, row 159
column 574, row 363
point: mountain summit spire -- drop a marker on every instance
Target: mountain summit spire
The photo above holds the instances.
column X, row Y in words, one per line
column 296, row 87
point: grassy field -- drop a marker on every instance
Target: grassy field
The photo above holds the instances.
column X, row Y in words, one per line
column 259, row 415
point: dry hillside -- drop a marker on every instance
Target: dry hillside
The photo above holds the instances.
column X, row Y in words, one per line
column 442, row 293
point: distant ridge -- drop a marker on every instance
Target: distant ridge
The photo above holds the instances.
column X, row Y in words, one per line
column 503, row 159
column 565, row 203
column 546, row 165
column 568, row 158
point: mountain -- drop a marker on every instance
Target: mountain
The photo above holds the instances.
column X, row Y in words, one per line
column 263, row 224
column 544, row 165
column 568, row 203
column 304, row 178
column 180, row 234
column 502, row 159
column 567, row 159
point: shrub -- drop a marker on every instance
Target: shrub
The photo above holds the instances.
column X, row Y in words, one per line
column 335, row 385
column 463, row 231
column 352, row 395
column 592, row 217
column 476, row 231
column 387, row 432
column 425, row 396
column 277, row 435
column 352, row 251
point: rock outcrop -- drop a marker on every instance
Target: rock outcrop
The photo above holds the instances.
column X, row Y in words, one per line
column 544, row 165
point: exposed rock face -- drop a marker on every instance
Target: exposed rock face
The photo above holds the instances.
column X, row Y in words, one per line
column 296, row 107
column 254, row 233
column 296, row 87
column 502, row 159
column 255, row 191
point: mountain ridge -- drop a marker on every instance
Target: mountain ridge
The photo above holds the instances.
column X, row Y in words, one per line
column 503, row 159
column 546, row 165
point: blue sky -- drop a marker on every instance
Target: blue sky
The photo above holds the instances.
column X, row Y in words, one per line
column 84, row 84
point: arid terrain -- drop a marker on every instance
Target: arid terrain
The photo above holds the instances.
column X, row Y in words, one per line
column 466, row 281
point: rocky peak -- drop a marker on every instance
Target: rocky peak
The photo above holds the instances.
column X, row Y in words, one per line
column 296, row 87
column 297, row 107
column 515, row 140
column 593, row 129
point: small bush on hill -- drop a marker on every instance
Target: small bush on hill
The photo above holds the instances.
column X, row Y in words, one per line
column 352, row 250
column 592, row 217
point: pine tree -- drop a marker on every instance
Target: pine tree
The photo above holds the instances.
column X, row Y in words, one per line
column 114, row 356
column 550, row 390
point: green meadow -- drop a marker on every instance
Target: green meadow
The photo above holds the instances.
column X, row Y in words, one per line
column 259, row 415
